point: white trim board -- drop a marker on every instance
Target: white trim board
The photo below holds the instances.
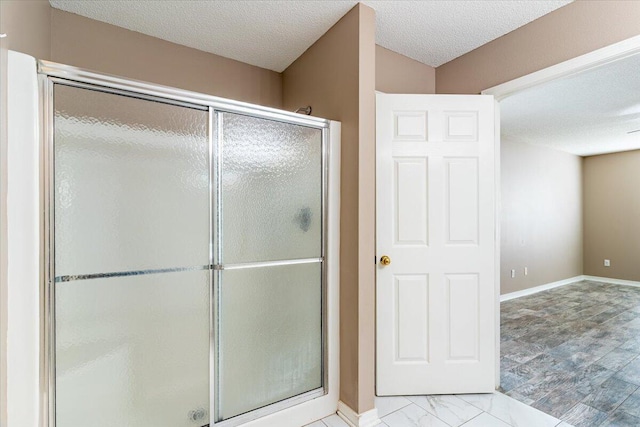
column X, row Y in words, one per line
column 353, row 419
column 572, row 66
column 545, row 287
column 536, row 289
column 611, row 280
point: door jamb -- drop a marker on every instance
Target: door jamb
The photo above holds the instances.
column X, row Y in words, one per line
column 570, row 67
column 588, row 61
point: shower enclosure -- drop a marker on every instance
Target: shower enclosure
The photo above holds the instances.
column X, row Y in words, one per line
column 185, row 246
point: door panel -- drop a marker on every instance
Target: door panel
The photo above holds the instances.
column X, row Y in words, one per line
column 271, row 190
column 410, row 204
column 132, row 280
column 270, row 336
column 132, row 183
column 412, row 322
column 461, row 201
column 436, row 221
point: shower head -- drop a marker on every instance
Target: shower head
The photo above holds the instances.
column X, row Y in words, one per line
column 304, row 110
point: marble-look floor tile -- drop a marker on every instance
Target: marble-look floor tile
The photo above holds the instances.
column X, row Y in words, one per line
column 621, row 419
column 388, row 404
column 412, row 416
column 335, row 421
column 509, row 410
column 582, row 415
column 486, row 420
column 316, row 424
column 520, row 397
column 450, row 409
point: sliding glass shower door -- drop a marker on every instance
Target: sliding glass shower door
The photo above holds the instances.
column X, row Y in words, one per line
column 132, row 281
column 187, row 249
column 269, row 283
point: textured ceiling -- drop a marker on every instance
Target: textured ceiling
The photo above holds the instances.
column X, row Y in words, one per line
column 272, row 34
column 585, row 114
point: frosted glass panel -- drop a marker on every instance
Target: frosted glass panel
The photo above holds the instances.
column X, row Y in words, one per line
column 133, row 351
column 271, row 190
column 270, row 339
column 131, row 183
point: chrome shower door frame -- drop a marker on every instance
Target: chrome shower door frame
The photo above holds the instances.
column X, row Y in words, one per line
column 50, row 74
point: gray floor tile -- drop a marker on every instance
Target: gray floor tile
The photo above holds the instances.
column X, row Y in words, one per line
column 543, row 384
column 559, row 401
column 506, row 364
column 632, row 344
column 610, row 395
column 509, row 381
column 616, row 359
column 632, row 404
column 582, row 415
column 520, row 352
column 621, row 419
column 631, row 372
column 578, row 347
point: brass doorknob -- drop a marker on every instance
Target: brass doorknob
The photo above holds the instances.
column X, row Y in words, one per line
column 385, row 260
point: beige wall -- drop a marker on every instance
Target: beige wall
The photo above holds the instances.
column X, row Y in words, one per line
column 396, row 73
column 541, row 215
column 572, row 30
column 330, row 76
column 27, row 24
column 612, row 215
column 95, row 45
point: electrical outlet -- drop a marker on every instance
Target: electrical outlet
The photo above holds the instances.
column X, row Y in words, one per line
column 526, row 271
column 607, row 263
column 513, row 274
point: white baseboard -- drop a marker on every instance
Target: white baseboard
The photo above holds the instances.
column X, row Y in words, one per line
column 610, row 280
column 351, row 417
column 535, row 290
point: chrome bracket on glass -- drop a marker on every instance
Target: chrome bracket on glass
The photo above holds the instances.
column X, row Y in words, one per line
column 220, row 267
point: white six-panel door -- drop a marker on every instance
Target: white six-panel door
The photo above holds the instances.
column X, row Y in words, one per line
column 435, row 203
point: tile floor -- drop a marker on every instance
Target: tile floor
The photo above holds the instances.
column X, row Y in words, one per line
column 570, row 357
column 469, row 410
column 574, row 353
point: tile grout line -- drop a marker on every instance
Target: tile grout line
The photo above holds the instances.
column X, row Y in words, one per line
column 473, row 418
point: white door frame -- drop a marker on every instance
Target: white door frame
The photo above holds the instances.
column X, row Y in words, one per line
column 588, row 61
column 570, row 67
